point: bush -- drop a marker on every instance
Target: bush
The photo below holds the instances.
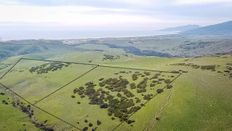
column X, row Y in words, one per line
column 152, row 85
column 169, row 86
column 130, row 121
column 134, row 77
column 167, row 81
column 5, row 102
column 104, row 105
column 90, row 124
column 137, row 100
column 147, row 97
column 98, row 122
column 159, row 91
column 85, row 129
column 132, row 85
column 147, row 73
column 101, row 79
column 157, row 118
column 209, row 67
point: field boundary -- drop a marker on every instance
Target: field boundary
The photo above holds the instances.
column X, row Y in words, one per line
column 100, row 65
column 80, row 76
column 66, row 85
column 10, row 68
column 21, row 97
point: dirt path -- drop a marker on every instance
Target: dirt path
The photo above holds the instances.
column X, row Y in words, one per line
column 158, row 114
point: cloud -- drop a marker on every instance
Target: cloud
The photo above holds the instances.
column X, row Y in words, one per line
column 80, row 2
column 200, row 2
column 78, row 16
column 126, row 14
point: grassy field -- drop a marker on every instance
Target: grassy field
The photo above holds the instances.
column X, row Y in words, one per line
column 199, row 99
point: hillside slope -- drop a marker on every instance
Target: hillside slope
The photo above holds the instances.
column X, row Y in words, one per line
column 224, row 28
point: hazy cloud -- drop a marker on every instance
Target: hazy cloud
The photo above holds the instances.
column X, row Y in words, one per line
column 111, row 14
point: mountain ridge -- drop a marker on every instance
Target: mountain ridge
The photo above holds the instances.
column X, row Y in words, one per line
column 224, row 28
column 181, row 28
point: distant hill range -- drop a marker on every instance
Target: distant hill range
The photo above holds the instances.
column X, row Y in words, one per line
column 181, row 28
column 217, row 29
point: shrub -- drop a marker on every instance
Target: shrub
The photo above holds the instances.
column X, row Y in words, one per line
column 147, row 97
column 128, row 93
column 104, row 105
column 152, row 85
column 132, row 85
column 130, row 121
column 98, row 122
column 147, row 73
column 85, row 129
column 134, row 77
column 5, row 102
column 169, row 86
column 209, row 67
column 137, row 100
column 90, row 124
column 159, row 91
column 167, row 81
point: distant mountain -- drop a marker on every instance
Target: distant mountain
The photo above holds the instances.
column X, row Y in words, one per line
column 217, row 29
column 181, row 28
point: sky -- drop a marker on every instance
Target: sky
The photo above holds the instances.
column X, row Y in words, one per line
column 24, row 19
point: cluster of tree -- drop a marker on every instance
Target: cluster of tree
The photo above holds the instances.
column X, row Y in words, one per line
column 195, row 66
column 132, row 85
column 119, row 106
column 27, row 109
column 87, row 128
column 148, row 97
column 155, row 76
column 122, row 102
column 228, row 70
column 5, row 102
column 188, row 64
column 122, row 108
column 90, row 125
column 134, row 77
column 141, row 87
column 24, row 108
column 45, row 68
column 115, row 84
column 209, row 67
column 110, row 57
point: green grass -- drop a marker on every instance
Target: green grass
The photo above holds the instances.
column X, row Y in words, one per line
column 12, row 119
column 35, row 86
column 199, row 100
